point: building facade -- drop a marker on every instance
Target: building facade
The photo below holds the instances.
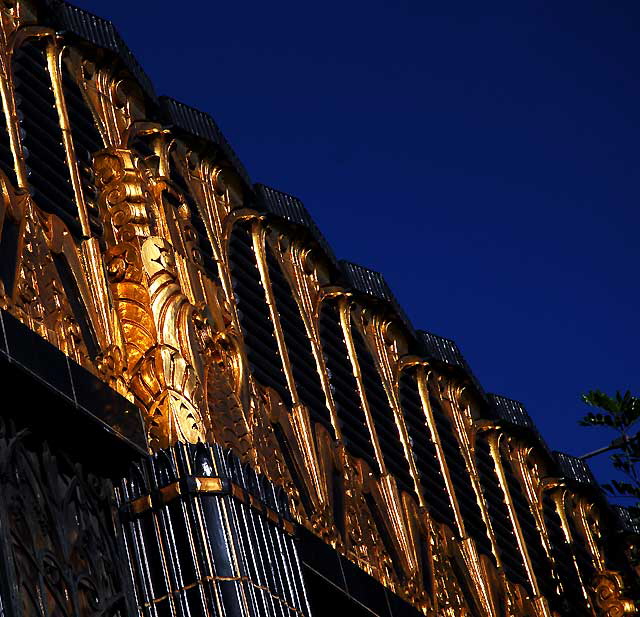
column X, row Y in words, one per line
column 207, row 413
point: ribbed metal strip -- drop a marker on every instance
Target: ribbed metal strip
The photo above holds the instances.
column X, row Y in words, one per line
column 447, row 351
column 510, row 410
column 102, row 33
column 283, row 204
column 242, row 523
column 368, row 282
column 200, row 124
column 372, row 283
column 515, row 413
column 291, row 209
column 442, row 349
column 575, row 469
column 192, row 120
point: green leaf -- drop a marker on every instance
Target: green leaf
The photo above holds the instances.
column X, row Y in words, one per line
column 624, row 488
column 597, row 419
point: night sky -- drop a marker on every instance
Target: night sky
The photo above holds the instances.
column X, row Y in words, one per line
column 483, row 156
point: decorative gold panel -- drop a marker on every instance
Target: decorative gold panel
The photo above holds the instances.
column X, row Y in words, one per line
column 169, row 338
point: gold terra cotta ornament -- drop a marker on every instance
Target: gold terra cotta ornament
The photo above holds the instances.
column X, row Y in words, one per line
column 169, row 339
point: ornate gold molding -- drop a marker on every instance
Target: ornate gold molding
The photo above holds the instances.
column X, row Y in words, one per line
column 609, row 595
column 168, row 336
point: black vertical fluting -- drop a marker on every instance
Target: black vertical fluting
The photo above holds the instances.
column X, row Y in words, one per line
column 86, row 142
column 303, row 364
column 344, row 388
column 44, row 152
column 253, row 310
column 382, row 414
column 512, row 559
column 460, row 478
column 424, row 451
column 531, row 535
column 571, row 600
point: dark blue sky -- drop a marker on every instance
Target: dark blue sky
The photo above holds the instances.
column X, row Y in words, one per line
column 483, row 156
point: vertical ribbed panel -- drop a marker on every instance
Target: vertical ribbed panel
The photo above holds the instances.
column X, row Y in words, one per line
column 383, row 416
column 303, row 364
column 424, row 451
column 499, row 514
column 45, row 158
column 344, row 387
column 255, row 320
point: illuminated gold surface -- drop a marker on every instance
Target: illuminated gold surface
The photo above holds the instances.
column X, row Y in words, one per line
column 208, row 485
column 170, row 340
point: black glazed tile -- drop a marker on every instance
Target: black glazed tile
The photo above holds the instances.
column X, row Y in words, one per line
column 106, row 404
column 321, row 557
column 400, row 608
column 327, row 600
column 364, row 588
column 39, row 356
column 54, row 417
